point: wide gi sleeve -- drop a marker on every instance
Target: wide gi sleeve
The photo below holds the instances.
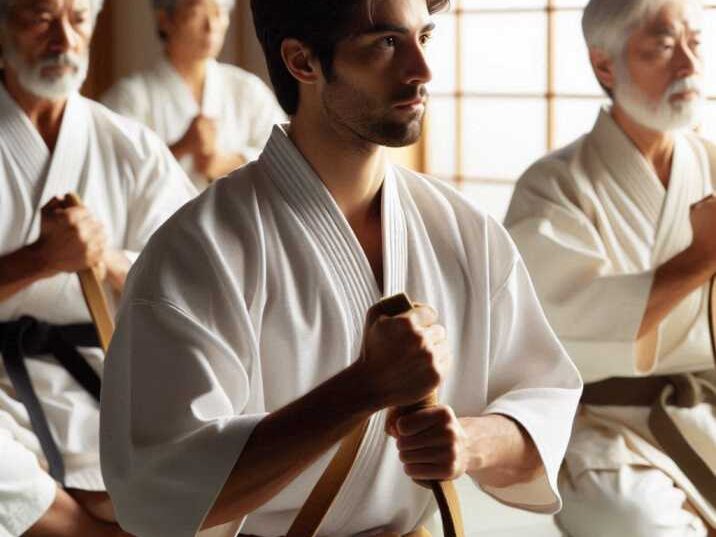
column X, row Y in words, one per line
column 181, row 388
column 595, row 311
column 531, row 380
column 159, row 187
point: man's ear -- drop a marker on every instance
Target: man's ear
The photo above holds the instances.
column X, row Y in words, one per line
column 299, row 61
column 604, row 68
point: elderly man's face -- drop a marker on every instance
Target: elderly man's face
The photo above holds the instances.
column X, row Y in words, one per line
column 47, row 44
column 198, row 27
column 663, row 58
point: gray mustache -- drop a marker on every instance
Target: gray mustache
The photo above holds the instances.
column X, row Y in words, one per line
column 60, row 60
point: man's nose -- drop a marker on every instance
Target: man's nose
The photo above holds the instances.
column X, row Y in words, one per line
column 418, row 70
column 63, row 37
column 689, row 62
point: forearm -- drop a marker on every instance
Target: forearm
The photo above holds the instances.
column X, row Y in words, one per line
column 674, row 281
column 21, row 269
column 118, row 266
column 67, row 518
column 499, row 451
column 287, row 441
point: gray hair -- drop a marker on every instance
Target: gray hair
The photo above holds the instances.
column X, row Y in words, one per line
column 171, row 5
column 6, row 5
column 607, row 24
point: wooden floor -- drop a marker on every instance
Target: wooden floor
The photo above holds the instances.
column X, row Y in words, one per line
column 485, row 517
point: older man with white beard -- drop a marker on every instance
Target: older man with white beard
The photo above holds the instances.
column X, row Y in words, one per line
column 53, row 141
column 617, row 230
column 215, row 117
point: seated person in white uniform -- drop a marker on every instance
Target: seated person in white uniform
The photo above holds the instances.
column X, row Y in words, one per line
column 255, row 298
column 53, row 141
column 214, row 116
column 618, row 230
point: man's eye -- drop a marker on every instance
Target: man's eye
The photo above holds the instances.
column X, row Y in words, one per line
column 425, row 39
column 388, row 41
column 666, row 45
column 42, row 17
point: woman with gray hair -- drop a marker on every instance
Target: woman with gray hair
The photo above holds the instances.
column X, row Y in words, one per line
column 215, row 117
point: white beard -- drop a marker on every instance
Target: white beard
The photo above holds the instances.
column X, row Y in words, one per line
column 665, row 115
column 52, row 88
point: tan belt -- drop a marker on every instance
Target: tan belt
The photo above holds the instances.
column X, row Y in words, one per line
column 321, row 498
column 420, row 532
column 660, row 392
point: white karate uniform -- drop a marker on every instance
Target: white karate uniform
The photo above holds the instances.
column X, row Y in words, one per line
column 594, row 222
column 131, row 183
column 243, row 107
column 257, row 292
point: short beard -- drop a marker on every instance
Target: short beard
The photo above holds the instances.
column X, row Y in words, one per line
column 367, row 118
column 665, row 115
column 32, row 80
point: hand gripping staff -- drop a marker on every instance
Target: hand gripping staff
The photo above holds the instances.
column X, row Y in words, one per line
column 314, row 510
column 93, row 293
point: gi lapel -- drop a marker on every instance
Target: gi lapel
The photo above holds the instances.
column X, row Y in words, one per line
column 24, row 144
column 212, row 97
column 315, row 207
column 686, row 186
column 328, row 229
column 178, row 89
column 177, row 106
column 630, row 196
column 70, row 154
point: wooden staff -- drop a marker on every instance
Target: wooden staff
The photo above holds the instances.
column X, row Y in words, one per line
column 93, row 293
column 316, row 507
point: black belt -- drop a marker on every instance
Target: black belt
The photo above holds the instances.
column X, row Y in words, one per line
column 29, row 337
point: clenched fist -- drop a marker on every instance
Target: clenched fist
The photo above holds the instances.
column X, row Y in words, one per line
column 404, row 357
column 71, row 239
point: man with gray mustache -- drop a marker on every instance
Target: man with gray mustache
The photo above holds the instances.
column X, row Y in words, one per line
column 618, row 233
column 53, row 141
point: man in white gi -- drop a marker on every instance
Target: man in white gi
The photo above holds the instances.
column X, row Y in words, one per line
column 215, row 117
column 53, row 141
column 617, row 230
column 240, row 356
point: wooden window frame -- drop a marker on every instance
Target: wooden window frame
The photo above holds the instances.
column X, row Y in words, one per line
column 551, row 95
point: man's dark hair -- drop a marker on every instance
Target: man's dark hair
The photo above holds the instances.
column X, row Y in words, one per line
column 319, row 24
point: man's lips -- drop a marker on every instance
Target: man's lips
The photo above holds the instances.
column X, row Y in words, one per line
column 412, row 103
column 57, row 69
column 685, row 95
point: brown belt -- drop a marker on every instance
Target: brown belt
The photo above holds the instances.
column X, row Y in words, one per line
column 319, row 501
column 659, row 393
column 419, row 532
